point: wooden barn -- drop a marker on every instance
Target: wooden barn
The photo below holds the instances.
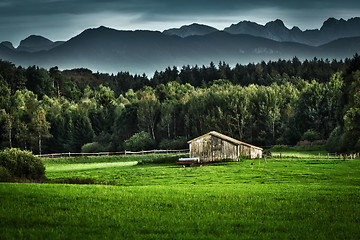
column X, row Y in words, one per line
column 215, row 146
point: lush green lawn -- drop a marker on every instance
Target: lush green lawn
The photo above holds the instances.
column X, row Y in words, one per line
column 287, row 199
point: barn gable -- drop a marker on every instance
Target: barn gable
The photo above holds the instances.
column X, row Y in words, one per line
column 215, row 146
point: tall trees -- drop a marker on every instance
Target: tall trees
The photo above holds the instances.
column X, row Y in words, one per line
column 59, row 111
column 318, row 107
column 7, row 120
column 23, row 121
column 352, row 114
column 40, row 127
column 148, row 111
column 39, row 82
column 239, row 102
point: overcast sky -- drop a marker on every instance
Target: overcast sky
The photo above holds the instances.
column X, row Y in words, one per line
column 63, row 19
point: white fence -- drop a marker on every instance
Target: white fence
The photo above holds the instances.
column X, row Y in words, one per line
column 58, row 155
column 309, row 155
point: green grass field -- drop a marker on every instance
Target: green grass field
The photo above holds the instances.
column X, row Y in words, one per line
column 291, row 198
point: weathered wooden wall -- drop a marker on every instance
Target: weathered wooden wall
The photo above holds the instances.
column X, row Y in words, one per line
column 251, row 152
column 211, row 148
column 256, row 153
column 201, row 148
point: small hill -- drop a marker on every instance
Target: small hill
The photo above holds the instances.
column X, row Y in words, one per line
column 191, row 30
column 36, row 43
column 8, row 44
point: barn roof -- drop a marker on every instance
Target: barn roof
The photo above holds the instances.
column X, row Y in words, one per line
column 226, row 138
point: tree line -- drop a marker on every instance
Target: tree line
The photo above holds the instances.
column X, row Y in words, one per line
column 280, row 102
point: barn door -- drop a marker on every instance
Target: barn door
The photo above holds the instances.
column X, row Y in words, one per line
column 216, row 149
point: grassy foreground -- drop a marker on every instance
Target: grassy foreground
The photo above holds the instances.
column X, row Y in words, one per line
column 289, row 199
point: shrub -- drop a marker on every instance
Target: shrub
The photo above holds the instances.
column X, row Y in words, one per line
column 278, row 148
column 303, row 143
column 4, row 175
column 311, row 135
column 357, row 146
column 335, row 141
column 18, row 164
column 308, row 147
column 93, row 147
column 177, row 143
column 140, row 141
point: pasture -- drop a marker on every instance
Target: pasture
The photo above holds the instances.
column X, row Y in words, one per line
column 150, row 197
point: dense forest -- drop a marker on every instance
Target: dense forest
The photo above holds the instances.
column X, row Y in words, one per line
column 278, row 102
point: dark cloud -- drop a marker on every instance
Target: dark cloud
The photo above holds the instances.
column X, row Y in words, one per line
column 64, row 17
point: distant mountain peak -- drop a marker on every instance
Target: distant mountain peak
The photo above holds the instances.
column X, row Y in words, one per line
column 194, row 29
column 331, row 23
column 34, row 43
column 331, row 30
column 35, row 39
column 296, row 29
column 111, row 50
column 276, row 24
column 8, row 44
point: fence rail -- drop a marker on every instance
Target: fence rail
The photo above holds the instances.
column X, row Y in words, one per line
column 69, row 154
column 318, row 156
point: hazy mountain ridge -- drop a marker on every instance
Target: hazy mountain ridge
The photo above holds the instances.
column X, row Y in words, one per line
column 331, row 30
column 33, row 43
column 109, row 50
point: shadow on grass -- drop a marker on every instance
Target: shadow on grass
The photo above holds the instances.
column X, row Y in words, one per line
column 75, row 181
column 86, row 181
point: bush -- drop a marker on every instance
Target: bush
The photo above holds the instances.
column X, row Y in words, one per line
column 303, row 143
column 308, row 148
column 357, row 146
column 93, row 147
column 174, row 144
column 140, row 141
column 335, row 142
column 18, row 164
column 4, row 175
column 311, row 135
column 278, row 148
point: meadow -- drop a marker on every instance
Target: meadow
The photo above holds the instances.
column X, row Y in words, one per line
column 150, row 197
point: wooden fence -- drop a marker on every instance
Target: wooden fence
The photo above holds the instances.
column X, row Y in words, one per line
column 58, row 155
column 318, row 156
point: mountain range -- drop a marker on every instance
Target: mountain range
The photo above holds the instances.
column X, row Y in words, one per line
column 110, row 50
